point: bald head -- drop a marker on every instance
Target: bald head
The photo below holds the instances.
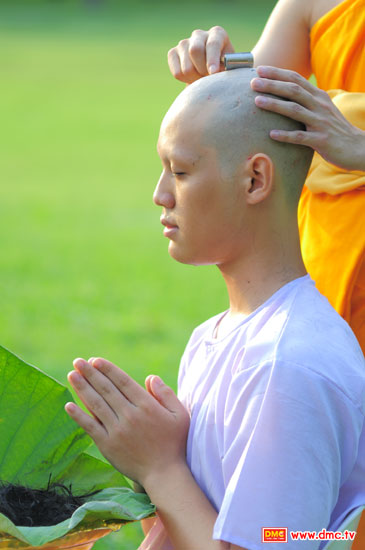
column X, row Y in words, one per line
column 222, row 108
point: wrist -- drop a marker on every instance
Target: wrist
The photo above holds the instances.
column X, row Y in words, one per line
column 168, row 480
column 356, row 151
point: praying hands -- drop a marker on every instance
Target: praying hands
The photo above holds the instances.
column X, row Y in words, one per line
column 142, row 433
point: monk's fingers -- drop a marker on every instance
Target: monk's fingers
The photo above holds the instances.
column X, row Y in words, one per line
column 187, row 66
column 197, row 51
column 289, row 109
column 298, row 137
column 217, row 43
column 92, row 400
column 130, row 389
column 289, row 90
column 181, row 64
column 173, row 61
column 286, row 75
column 199, row 55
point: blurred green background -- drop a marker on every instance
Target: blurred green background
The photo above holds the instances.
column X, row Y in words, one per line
column 84, row 268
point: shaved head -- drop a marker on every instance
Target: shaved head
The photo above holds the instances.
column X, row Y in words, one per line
column 222, row 108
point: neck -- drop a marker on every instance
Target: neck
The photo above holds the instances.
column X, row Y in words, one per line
column 266, row 265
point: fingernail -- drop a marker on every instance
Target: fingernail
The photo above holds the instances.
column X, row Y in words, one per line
column 79, row 362
column 262, row 69
column 75, row 377
column 70, row 407
column 260, row 100
column 258, row 83
column 157, row 380
column 212, row 68
column 274, row 133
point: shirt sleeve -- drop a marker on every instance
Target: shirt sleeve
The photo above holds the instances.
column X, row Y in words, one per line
column 291, row 439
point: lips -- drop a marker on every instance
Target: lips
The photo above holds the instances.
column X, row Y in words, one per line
column 168, row 223
column 170, row 227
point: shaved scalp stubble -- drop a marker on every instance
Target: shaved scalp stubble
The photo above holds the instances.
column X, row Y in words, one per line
column 238, row 129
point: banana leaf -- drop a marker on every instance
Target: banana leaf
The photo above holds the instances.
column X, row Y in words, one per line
column 38, row 440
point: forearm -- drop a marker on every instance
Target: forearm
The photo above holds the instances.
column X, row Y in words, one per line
column 287, row 24
column 185, row 511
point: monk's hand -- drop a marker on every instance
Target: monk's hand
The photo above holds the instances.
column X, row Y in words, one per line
column 199, row 55
column 327, row 131
column 138, row 433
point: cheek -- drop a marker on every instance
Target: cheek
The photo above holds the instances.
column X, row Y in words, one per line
column 199, row 196
column 209, row 209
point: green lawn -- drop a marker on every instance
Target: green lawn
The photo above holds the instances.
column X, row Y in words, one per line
column 84, row 268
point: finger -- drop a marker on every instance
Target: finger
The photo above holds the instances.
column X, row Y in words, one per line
column 103, row 386
column 148, row 383
column 190, row 74
column 197, row 45
column 286, row 108
column 299, row 137
column 95, row 430
column 91, row 399
column 275, row 73
column 217, row 44
column 173, row 60
column 289, row 90
column 165, row 395
column 125, row 384
column 151, row 386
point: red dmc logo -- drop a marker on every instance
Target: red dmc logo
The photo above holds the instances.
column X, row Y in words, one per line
column 274, row 534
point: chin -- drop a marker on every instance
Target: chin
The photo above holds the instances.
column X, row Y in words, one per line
column 187, row 257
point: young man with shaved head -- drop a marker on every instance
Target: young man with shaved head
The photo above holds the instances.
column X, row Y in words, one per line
column 268, row 427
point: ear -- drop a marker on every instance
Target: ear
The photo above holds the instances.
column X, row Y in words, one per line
column 261, row 178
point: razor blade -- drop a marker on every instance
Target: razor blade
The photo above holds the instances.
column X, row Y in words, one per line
column 237, row 60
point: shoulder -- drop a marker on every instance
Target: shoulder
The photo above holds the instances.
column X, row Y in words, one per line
column 300, row 334
column 317, row 339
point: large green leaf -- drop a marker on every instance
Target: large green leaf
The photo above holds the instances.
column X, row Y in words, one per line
column 38, row 440
column 87, row 473
column 119, row 504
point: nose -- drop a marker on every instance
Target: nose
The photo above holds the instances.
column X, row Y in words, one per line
column 163, row 195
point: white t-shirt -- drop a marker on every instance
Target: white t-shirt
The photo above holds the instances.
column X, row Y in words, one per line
column 277, row 413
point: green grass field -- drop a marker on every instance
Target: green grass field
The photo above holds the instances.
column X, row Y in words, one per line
column 84, row 268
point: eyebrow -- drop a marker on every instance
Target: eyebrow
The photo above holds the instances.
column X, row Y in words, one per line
column 179, row 158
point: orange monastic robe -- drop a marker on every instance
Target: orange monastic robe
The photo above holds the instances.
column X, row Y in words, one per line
column 332, row 207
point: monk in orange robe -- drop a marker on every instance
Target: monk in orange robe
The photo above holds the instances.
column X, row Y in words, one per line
column 332, row 207
column 331, row 211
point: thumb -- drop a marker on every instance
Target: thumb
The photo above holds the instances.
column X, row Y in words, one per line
column 148, row 384
column 164, row 394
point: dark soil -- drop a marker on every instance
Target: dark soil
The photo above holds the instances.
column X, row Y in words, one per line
column 35, row 507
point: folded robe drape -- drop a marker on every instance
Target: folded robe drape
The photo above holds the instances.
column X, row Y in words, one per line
column 331, row 211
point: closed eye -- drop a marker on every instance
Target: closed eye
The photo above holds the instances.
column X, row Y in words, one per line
column 178, row 174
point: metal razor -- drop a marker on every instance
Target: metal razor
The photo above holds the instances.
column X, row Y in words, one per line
column 237, row 60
